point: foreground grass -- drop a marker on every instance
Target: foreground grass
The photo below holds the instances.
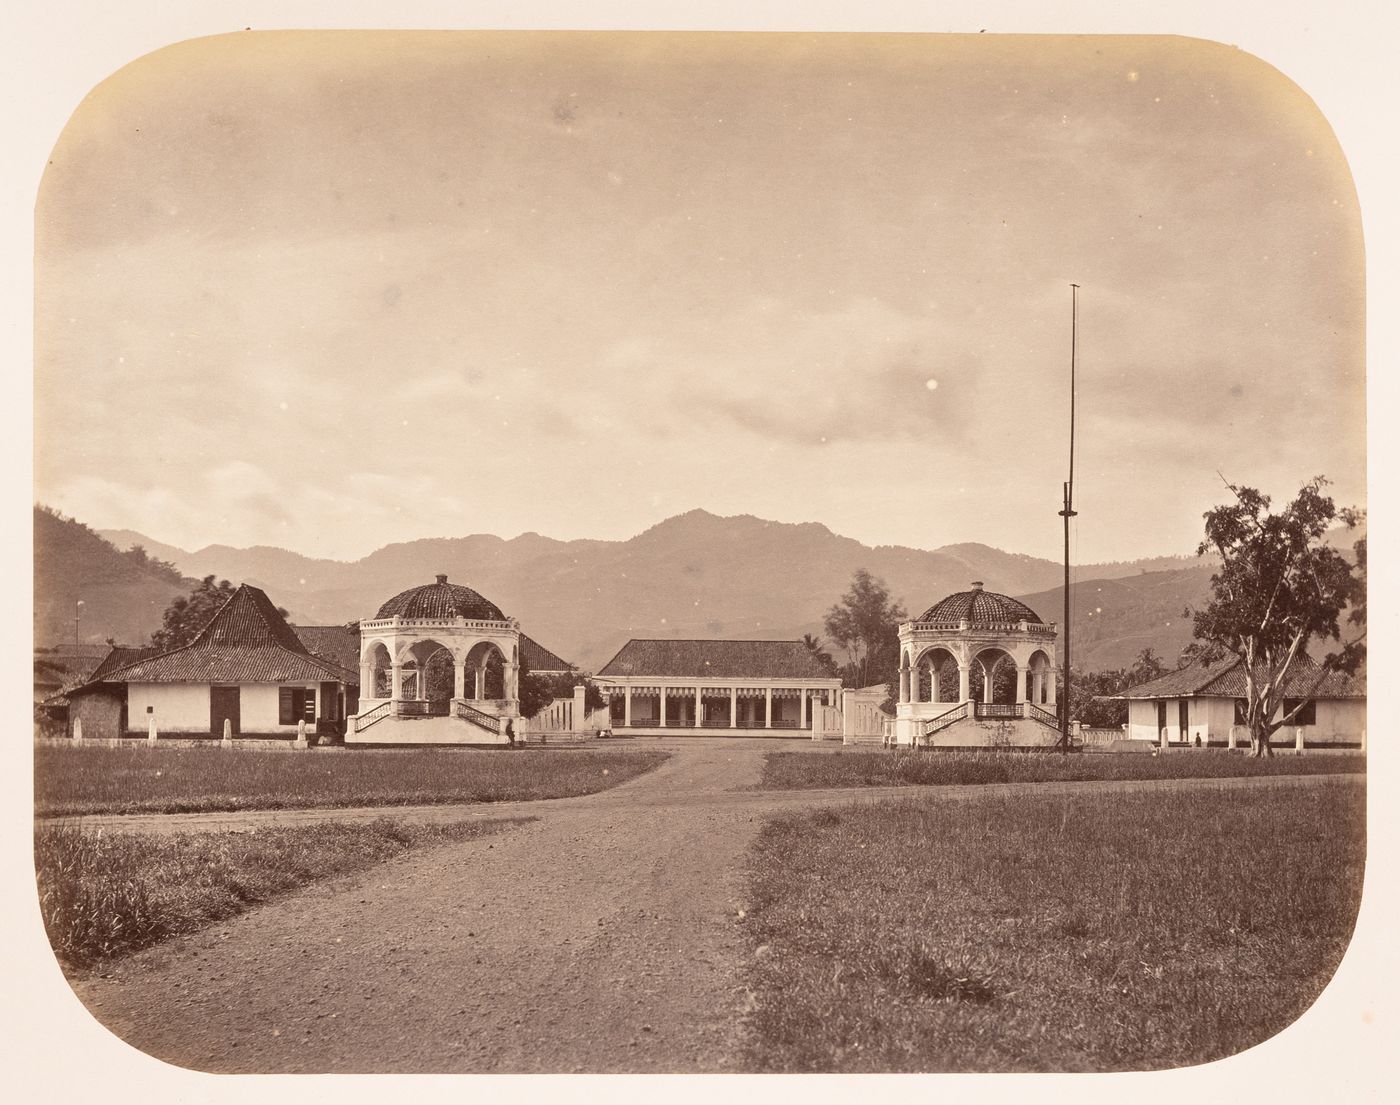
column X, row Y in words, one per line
column 805, row 770
column 69, row 781
column 1048, row 933
column 108, row 894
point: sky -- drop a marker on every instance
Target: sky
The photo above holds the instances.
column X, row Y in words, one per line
column 332, row 290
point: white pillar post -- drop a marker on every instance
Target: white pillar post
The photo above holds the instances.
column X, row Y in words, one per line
column 151, row 732
column 459, row 679
column 300, row 742
column 662, row 709
column 934, row 693
column 77, row 730
column 987, row 683
column 227, row 742
column 734, row 711
column 1052, row 688
column 1298, row 738
column 699, row 706
column 904, row 684
column 768, row 706
column 802, row 709
column 627, row 706
column 964, row 683
column 1023, row 678
column 396, row 681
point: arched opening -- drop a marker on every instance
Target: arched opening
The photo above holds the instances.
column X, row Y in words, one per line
column 380, row 672
column 938, row 677
column 1041, row 679
column 485, row 675
column 993, row 678
column 427, row 676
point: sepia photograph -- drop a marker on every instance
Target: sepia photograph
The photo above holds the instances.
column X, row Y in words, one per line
column 642, row 551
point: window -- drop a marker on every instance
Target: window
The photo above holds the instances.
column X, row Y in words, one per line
column 1306, row 716
column 295, row 704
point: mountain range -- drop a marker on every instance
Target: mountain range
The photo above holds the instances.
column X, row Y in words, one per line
column 694, row 575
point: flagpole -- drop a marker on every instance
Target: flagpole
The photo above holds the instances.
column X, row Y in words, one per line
column 1069, row 512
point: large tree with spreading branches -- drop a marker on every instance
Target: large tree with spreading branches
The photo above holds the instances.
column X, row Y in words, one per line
column 1280, row 586
column 865, row 623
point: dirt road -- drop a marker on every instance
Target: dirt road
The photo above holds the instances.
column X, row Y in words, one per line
column 605, row 936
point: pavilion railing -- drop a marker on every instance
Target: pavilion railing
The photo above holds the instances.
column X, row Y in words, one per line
column 370, row 717
column 1035, row 713
column 945, row 719
column 996, row 710
column 471, row 714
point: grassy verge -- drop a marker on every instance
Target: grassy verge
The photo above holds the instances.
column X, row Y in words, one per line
column 1048, row 933
column 108, row 894
column 69, row 781
column 804, row 770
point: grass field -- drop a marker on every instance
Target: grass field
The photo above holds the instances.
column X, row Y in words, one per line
column 1048, row 933
column 108, row 894
column 804, row 770
column 69, row 781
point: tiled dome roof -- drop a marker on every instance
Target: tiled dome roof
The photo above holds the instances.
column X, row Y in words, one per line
column 441, row 600
column 979, row 607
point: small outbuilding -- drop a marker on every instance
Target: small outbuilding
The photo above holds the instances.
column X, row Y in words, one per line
column 247, row 667
column 1205, row 704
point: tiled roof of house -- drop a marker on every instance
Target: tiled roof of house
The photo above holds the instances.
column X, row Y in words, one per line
column 120, row 656
column 537, row 658
column 721, row 659
column 979, row 607
column 1225, row 679
column 337, row 643
column 247, row 641
column 441, row 600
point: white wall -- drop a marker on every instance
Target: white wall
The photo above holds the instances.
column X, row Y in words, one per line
column 179, row 707
column 258, row 708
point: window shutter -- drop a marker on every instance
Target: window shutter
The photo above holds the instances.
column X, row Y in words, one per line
column 286, row 706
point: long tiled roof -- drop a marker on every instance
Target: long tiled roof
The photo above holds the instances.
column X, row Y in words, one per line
column 538, row 658
column 979, row 607
column 1225, row 679
column 247, row 641
column 721, row 659
column 440, row 600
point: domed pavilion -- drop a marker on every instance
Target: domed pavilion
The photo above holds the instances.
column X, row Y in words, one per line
column 440, row 650
column 976, row 669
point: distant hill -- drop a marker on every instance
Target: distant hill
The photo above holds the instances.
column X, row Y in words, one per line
column 123, row 594
column 694, row 575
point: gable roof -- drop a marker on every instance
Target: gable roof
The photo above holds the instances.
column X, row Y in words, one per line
column 1225, row 679
column 721, row 659
column 538, row 658
column 246, row 641
column 120, row 656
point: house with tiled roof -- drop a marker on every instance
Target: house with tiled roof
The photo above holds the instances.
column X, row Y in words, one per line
column 247, row 666
column 743, row 687
column 1205, row 704
column 539, row 660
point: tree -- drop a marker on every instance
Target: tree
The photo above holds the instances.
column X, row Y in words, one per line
column 865, row 623
column 1279, row 587
column 1091, row 691
column 188, row 614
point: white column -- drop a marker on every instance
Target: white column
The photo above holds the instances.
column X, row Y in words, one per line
column 734, row 709
column 366, row 679
column 1050, row 688
column 396, row 681
column 627, row 706
column 459, row 679
column 802, row 715
column 698, row 707
column 1023, row 678
column 662, row 710
column 768, row 706
column 904, row 684
column 964, row 683
column 479, row 682
column 986, row 684
column 934, row 693
column 511, row 690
